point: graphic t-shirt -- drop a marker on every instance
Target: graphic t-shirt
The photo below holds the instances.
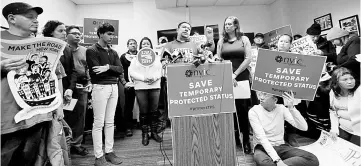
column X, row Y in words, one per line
column 187, row 49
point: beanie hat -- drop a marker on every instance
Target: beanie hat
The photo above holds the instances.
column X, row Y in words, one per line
column 336, row 33
column 315, row 29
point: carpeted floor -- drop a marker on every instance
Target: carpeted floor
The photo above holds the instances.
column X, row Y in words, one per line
column 134, row 153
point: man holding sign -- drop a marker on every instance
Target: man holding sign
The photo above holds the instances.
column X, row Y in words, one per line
column 279, row 72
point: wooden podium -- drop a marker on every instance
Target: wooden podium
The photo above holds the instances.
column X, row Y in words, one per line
column 202, row 130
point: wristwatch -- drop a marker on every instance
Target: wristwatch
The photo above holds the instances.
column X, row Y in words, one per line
column 276, row 161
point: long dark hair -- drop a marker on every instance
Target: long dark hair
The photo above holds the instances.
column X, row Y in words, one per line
column 336, row 74
column 239, row 34
column 141, row 41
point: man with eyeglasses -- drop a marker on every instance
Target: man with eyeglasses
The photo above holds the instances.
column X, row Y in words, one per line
column 77, row 87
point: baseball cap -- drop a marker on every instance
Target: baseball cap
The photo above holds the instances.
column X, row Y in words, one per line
column 259, row 35
column 19, row 8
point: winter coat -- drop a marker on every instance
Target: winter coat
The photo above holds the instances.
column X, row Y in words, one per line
column 346, row 57
column 327, row 48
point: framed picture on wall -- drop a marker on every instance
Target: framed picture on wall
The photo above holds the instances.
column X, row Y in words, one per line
column 325, row 21
column 351, row 24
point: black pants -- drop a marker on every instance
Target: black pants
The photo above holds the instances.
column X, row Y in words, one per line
column 128, row 107
column 163, row 102
column 21, row 148
column 242, row 108
column 76, row 118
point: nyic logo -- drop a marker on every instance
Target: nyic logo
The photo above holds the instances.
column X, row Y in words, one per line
column 198, row 73
column 292, row 61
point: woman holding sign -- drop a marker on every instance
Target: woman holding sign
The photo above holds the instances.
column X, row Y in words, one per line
column 146, row 71
column 344, row 86
column 236, row 47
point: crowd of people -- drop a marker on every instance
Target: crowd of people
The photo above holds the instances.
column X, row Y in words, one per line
column 100, row 70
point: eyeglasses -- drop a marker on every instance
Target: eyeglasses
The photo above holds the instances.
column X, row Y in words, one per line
column 75, row 33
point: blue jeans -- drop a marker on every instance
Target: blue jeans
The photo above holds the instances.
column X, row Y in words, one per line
column 148, row 100
column 148, row 108
column 289, row 155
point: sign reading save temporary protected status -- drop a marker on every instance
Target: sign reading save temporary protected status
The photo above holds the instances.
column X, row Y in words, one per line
column 206, row 89
column 91, row 26
column 279, row 72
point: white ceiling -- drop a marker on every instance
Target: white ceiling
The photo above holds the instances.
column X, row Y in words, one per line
column 87, row 2
column 204, row 3
column 184, row 3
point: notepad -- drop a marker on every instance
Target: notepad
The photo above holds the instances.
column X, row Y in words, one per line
column 242, row 90
column 70, row 106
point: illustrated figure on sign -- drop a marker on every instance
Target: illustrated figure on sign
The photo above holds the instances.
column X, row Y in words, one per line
column 34, row 59
column 35, row 73
column 44, row 63
column 46, row 76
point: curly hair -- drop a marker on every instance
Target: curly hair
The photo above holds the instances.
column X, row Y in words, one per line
column 105, row 27
column 141, row 41
column 336, row 74
column 50, row 27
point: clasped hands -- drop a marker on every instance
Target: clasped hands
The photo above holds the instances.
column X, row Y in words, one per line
column 150, row 80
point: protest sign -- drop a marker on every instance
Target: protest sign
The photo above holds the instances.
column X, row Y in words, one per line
column 199, row 39
column 254, row 55
column 34, row 87
column 205, row 89
column 334, row 152
column 91, row 26
column 279, row 72
column 146, row 57
column 271, row 38
column 304, row 46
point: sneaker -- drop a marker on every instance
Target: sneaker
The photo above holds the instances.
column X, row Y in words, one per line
column 101, row 162
column 112, row 158
column 79, row 151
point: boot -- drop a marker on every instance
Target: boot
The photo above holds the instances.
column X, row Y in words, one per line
column 144, row 126
column 155, row 127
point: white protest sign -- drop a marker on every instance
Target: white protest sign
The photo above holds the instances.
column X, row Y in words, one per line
column 34, row 87
column 304, row 46
column 334, row 152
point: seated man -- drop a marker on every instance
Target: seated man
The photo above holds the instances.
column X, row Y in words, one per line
column 267, row 120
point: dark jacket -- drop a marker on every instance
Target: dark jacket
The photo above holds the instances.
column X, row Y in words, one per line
column 68, row 63
column 327, row 48
column 96, row 55
column 125, row 64
column 346, row 57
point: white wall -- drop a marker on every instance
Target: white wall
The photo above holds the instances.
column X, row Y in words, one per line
column 300, row 13
column 141, row 18
column 136, row 20
column 62, row 10
column 252, row 18
column 277, row 14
